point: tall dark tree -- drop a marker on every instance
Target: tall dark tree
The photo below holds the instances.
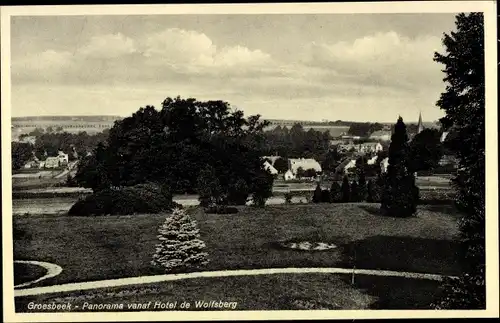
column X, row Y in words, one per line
column 354, row 192
column 317, row 195
column 362, row 187
column 464, row 104
column 425, row 150
column 400, row 194
column 335, row 192
column 345, row 190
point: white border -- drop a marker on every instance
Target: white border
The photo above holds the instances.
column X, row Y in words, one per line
column 488, row 7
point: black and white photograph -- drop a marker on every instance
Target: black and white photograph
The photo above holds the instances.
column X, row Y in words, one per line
column 318, row 161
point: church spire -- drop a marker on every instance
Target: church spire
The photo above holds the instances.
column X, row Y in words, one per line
column 420, row 125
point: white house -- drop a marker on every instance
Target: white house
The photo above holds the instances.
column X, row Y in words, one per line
column 367, row 147
column 52, row 162
column 384, row 164
column 270, row 168
column 345, row 166
column 305, row 163
column 372, row 160
column 63, row 158
column 288, row 175
column 443, row 136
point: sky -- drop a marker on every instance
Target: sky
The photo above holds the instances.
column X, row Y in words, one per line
column 357, row 67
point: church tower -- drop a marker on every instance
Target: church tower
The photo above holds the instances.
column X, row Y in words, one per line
column 420, row 125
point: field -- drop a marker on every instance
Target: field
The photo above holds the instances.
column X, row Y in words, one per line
column 91, row 249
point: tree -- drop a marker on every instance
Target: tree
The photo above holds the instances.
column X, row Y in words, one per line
column 335, row 192
column 262, row 188
column 362, row 189
column 21, row 154
column 400, row 195
column 300, row 172
column 425, row 150
column 318, row 194
column 281, row 165
column 346, row 190
column 354, row 192
column 180, row 247
column 310, row 172
column 464, row 104
column 209, row 188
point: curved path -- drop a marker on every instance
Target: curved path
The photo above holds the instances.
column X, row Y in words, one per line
column 224, row 273
column 52, row 271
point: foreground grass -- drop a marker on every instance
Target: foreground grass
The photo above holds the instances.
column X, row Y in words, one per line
column 95, row 248
column 272, row 292
column 26, row 272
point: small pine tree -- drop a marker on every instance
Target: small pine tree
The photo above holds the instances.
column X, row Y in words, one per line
column 317, row 196
column 345, row 190
column 369, row 196
column 362, row 189
column 400, row 194
column 335, row 192
column 354, row 192
column 180, row 247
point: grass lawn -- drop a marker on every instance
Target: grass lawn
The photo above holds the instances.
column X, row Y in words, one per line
column 24, row 273
column 95, row 248
column 272, row 292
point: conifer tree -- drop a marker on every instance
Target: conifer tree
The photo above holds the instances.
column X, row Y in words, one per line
column 400, row 194
column 180, row 247
column 346, row 190
column 362, row 189
column 317, row 196
column 354, row 192
column 369, row 195
column 464, row 104
column 335, row 192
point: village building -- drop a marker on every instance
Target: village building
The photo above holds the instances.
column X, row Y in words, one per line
column 367, row 147
column 52, row 162
column 345, row 166
column 372, row 160
column 63, row 158
column 384, row 164
column 272, row 158
column 288, row 176
column 305, row 163
column 270, row 168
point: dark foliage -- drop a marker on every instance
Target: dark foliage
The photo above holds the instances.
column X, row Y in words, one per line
column 464, row 104
column 354, row 192
column 345, row 190
column 318, row 194
column 21, row 154
column 335, row 192
column 400, row 194
column 139, row 199
column 220, row 209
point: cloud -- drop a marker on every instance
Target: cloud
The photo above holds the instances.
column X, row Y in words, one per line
column 382, row 58
column 108, row 46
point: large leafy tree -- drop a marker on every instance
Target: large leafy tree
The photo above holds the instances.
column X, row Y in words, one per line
column 464, row 103
column 172, row 145
column 400, row 195
column 21, row 153
column 425, row 150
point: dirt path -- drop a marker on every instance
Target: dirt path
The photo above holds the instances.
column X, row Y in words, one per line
column 206, row 274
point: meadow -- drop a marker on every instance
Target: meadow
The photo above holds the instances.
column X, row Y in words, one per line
column 89, row 249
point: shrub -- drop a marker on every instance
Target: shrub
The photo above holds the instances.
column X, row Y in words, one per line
column 262, row 188
column 180, row 247
column 238, row 193
column 362, row 189
column 288, row 198
column 142, row 198
column 335, row 192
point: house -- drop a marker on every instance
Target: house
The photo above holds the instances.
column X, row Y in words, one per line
column 443, row 136
column 381, row 135
column 384, row 164
column 63, row 158
column 52, row 162
column 305, row 163
column 367, row 147
column 271, row 158
column 345, row 166
column 270, row 168
column 372, row 160
column 288, row 175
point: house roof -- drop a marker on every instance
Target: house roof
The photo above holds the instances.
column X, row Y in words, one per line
column 380, row 133
column 344, row 163
column 305, row 163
